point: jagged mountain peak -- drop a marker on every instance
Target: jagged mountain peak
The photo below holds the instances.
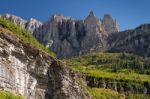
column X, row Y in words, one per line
column 32, row 24
column 107, row 16
column 60, row 17
column 12, row 16
column 35, row 21
column 91, row 13
column 72, row 37
column 109, row 24
column 15, row 19
column 91, row 16
column 69, row 37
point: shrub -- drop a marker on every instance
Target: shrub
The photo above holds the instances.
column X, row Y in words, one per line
column 9, row 95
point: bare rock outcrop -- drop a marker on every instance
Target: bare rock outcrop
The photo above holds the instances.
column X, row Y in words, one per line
column 15, row 19
column 30, row 25
column 33, row 74
column 68, row 37
column 109, row 25
column 133, row 41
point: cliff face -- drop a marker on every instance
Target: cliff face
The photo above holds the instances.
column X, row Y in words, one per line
column 33, row 74
column 30, row 25
column 133, row 41
column 109, row 25
column 68, row 37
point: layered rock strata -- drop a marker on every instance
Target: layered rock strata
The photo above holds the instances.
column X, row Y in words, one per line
column 33, row 74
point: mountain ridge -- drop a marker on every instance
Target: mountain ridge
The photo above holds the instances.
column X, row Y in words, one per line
column 82, row 76
column 68, row 37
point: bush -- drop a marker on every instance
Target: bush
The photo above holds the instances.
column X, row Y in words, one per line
column 9, row 95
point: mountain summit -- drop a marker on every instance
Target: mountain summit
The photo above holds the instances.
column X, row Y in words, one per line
column 68, row 37
column 72, row 37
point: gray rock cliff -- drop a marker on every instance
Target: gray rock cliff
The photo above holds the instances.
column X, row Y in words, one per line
column 69, row 37
column 30, row 25
column 134, row 41
column 109, row 25
column 33, row 74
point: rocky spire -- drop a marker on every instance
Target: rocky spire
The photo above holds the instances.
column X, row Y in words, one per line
column 15, row 19
column 91, row 20
column 91, row 16
column 109, row 25
column 32, row 24
column 91, row 13
column 59, row 17
column 67, row 36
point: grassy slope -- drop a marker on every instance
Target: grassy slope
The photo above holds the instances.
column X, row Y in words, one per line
column 24, row 36
column 106, row 65
column 8, row 95
column 114, row 66
column 100, row 93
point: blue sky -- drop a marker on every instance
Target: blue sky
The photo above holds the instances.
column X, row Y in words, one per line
column 128, row 13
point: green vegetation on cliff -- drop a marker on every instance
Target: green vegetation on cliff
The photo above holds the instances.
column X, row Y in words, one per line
column 101, row 93
column 112, row 65
column 114, row 71
column 8, row 95
column 24, row 36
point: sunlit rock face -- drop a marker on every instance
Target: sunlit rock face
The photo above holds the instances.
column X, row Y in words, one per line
column 15, row 19
column 20, row 71
column 33, row 74
column 109, row 25
column 30, row 25
column 94, row 35
column 68, row 37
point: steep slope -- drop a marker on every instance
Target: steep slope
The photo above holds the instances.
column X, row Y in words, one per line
column 15, row 19
column 30, row 25
column 69, row 37
column 9, row 95
column 127, row 74
column 29, row 70
column 134, row 41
